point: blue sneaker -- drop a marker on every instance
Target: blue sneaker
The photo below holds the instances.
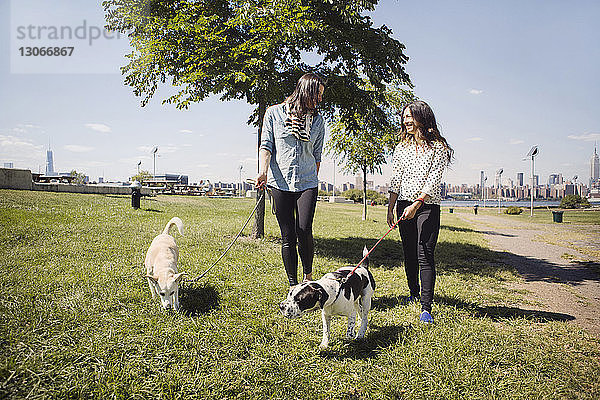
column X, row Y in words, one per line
column 408, row 299
column 426, row 317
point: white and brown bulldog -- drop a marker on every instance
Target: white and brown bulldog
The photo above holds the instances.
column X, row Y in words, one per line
column 336, row 293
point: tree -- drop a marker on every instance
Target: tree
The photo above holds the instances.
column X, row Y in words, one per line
column 364, row 147
column 142, row 176
column 252, row 50
column 79, row 177
column 574, row 201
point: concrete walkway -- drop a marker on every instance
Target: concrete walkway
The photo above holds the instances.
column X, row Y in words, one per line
column 557, row 277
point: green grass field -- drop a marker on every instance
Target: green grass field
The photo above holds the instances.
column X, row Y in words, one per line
column 540, row 215
column 77, row 321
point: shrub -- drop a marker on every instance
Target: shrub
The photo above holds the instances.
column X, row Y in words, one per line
column 574, row 201
column 512, row 210
column 356, row 195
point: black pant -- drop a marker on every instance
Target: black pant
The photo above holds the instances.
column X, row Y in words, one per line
column 295, row 212
column 419, row 237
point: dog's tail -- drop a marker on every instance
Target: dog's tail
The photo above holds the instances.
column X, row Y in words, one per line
column 174, row 221
column 365, row 263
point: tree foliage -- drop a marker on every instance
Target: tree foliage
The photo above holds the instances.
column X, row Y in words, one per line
column 574, row 201
column 79, row 177
column 357, row 196
column 252, row 50
column 142, row 176
column 255, row 50
column 364, row 147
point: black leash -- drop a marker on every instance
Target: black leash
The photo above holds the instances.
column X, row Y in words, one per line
column 231, row 244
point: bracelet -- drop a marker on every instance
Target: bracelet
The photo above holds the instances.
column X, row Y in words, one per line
column 421, row 200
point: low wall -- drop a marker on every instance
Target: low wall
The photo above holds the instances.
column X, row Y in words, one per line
column 87, row 189
column 11, row 178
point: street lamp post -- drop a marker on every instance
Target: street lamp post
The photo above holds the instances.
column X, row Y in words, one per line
column 483, row 190
column 241, row 167
column 499, row 175
column 532, row 153
column 154, row 150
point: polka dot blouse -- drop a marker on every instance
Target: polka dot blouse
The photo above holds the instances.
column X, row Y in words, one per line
column 418, row 169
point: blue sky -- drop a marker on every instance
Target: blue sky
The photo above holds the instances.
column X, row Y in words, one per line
column 500, row 77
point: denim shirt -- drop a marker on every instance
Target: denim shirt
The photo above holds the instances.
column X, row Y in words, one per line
column 293, row 166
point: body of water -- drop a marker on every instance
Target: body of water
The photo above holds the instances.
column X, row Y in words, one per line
column 494, row 203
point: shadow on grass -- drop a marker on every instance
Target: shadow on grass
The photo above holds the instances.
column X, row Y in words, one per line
column 463, row 258
column 153, row 210
column 349, row 250
column 497, row 313
column 197, row 299
column 377, row 338
column 457, row 229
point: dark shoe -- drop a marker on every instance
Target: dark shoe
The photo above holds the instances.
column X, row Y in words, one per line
column 426, row 317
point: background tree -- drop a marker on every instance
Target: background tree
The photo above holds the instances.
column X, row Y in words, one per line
column 142, row 176
column 79, row 177
column 252, row 50
column 363, row 147
column 574, row 201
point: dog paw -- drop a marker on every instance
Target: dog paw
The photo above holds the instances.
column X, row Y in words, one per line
column 323, row 346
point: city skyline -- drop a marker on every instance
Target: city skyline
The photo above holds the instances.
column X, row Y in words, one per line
column 492, row 77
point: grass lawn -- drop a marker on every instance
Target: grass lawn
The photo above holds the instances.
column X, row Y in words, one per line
column 76, row 318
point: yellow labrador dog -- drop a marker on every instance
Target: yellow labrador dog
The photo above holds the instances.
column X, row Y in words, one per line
column 161, row 267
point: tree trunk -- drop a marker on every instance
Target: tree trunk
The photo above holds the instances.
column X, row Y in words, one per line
column 258, row 230
column 364, row 216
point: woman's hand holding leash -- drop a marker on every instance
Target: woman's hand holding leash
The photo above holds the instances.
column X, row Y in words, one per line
column 261, row 181
column 410, row 211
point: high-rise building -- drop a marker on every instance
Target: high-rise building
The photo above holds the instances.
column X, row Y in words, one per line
column 555, row 179
column 594, row 167
column 50, row 163
column 519, row 179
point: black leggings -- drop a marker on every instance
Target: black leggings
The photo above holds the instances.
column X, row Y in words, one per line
column 295, row 212
column 419, row 237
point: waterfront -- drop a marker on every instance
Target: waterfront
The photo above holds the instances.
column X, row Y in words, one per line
column 494, row 203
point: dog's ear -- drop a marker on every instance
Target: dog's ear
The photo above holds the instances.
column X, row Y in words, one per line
column 152, row 278
column 179, row 276
column 323, row 296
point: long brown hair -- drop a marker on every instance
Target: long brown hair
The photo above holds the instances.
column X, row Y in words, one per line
column 305, row 97
column 427, row 129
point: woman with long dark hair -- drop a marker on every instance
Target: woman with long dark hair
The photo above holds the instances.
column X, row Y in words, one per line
column 289, row 160
column 418, row 164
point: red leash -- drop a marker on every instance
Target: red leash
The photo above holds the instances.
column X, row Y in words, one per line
column 345, row 279
column 373, row 248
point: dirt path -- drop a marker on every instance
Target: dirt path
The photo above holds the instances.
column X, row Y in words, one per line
column 560, row 278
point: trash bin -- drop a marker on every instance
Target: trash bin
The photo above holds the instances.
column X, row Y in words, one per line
column 451, row 210
column 557, row 216
column 136, row 194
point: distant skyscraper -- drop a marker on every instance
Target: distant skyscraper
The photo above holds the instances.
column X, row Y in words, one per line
column 49, row 163
column 519, row 179
column 594, row 167
column 555, row 179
